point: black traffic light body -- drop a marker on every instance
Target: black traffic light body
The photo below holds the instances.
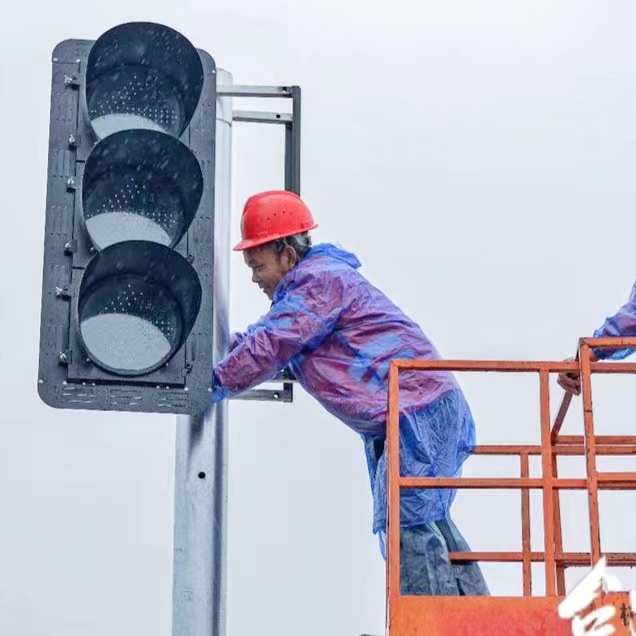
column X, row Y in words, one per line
column 129, row 240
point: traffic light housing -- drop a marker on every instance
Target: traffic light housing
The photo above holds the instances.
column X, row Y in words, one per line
column 129, row 239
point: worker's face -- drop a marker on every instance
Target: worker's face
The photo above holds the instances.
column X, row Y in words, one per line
column 269, row 266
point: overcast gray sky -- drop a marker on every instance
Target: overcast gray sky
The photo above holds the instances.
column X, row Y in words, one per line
column 477, row 156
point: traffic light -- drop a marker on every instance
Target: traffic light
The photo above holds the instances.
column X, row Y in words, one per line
column 128, row 254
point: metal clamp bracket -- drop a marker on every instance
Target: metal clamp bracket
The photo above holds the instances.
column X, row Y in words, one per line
column 291, row 122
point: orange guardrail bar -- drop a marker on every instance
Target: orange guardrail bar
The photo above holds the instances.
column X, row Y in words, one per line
column 525, row 615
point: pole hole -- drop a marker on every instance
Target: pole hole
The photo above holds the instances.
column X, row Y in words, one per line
column 201, row 475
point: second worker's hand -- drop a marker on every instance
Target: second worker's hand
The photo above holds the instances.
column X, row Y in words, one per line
column 571, row 380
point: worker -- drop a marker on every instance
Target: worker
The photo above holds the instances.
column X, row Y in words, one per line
column 337, row 334
column 620, row 325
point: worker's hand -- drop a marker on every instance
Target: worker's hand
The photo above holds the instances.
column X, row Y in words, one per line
column 571, row 382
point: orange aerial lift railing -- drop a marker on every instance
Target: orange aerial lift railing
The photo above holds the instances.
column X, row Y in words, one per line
column 526, row 615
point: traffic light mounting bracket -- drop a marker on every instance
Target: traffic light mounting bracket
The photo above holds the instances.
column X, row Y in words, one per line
column 291, row 121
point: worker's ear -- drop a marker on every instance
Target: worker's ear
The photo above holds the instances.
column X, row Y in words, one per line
column 289, row 257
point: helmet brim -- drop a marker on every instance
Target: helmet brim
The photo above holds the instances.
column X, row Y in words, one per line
column 247, row 244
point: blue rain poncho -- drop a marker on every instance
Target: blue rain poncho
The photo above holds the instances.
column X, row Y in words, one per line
column 620, row 325
column 337, row 333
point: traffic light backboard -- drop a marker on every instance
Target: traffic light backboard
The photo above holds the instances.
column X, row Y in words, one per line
column 129, row 239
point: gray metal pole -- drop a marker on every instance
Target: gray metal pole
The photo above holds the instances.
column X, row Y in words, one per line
column 200, row 506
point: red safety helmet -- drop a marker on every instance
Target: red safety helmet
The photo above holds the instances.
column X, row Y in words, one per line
column 271, row 215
